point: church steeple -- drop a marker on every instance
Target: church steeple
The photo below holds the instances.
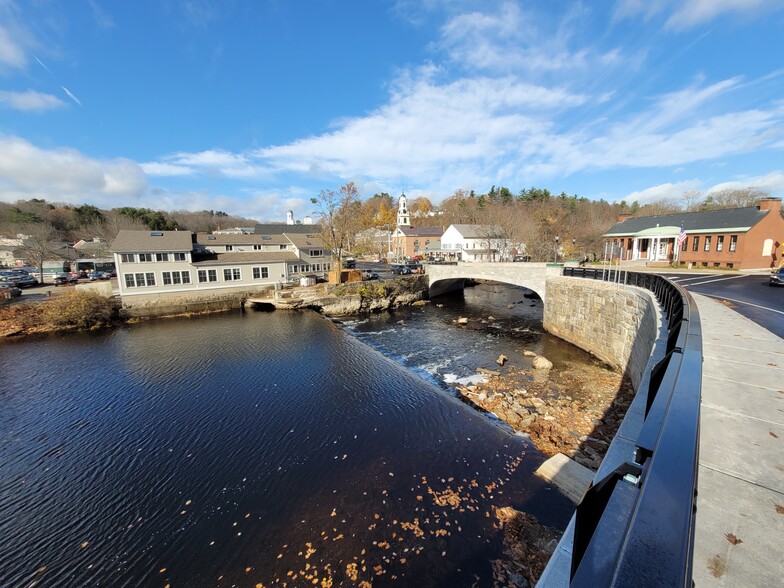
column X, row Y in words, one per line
column 403, row 219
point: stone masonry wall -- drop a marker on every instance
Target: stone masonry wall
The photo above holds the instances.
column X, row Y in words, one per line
column 617, row 324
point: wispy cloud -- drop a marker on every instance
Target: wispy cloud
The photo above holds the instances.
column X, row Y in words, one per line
column 686, row 14
column 12, row 53
column 30, row 101
column 71, row 95
column 102, row 17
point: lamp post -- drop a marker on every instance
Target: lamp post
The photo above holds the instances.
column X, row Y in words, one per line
column 555, row 252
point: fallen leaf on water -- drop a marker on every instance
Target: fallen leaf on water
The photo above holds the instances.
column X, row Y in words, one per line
column 248, row 569
column 85, row 544
column 779, row 509
column 162, row 570
column 188, row 502
column 732, row 538
column 772, row 434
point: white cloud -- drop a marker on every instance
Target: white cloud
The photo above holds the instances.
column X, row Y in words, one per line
column 30, row 101
column 667, row 191
column 12, row 53
column 65, row 175
column 773, row 183
column 685, row 14
column 155, row 168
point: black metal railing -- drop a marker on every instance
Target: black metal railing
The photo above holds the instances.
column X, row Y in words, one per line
column 635, row 527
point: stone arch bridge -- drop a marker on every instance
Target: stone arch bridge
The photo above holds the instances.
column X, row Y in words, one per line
column 448, row 277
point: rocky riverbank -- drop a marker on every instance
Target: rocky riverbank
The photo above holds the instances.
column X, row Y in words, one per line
column 574, row 409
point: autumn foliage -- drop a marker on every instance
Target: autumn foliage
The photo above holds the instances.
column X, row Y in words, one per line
column 72, row 309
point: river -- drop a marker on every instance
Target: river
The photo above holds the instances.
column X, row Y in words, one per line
column 255, row 448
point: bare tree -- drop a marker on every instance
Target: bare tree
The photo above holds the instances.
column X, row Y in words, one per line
column 734, row 198
column 42, row 243
column 339, row 212
column 691, row 200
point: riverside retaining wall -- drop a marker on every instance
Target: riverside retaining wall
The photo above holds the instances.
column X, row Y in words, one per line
column 617, row 324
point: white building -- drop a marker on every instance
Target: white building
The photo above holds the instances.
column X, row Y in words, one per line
column 476, row 243
column 170, row 262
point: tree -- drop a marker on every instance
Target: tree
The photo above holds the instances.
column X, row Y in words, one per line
column 734, row 198
column 339, row 211
column 42, row 243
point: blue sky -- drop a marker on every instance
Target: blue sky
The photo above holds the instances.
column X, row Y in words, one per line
column 254, row 106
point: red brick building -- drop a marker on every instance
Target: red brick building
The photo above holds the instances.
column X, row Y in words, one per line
column 739, row 238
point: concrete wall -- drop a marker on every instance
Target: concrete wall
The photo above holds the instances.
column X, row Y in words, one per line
column 617, row 324
column 151, row 305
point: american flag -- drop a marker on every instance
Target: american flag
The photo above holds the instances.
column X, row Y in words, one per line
column 682, row 236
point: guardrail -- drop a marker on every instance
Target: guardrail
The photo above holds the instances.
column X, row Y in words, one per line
column 635, row 527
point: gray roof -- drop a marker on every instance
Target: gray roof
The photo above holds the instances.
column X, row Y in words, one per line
column 239, row 239
column 152, row 241
column 237, row 257
column 725, row 219
column 280, row 228
column 422, row 231
column 312, row 239
column 479, row 231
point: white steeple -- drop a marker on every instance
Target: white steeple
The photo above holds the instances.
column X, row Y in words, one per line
column 290, row 217
column 403, row 219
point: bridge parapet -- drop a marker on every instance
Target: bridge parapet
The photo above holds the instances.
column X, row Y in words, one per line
column 527, row 275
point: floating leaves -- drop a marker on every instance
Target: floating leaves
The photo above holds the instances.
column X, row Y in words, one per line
column 732, row 539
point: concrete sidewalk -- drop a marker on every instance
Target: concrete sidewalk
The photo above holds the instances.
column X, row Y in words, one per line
column 739, row 537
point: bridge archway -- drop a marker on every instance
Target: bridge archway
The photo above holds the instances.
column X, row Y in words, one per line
column 447, row 278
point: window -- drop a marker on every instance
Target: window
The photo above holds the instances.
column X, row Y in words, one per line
column 229, row 247
column 695, row 245
column 231, row 273
column 720, row 243
column 176, row 278
column 180, row 257
column 208, row 276
column 145, row 257
column 257, row 248
column 128, row 258
column 139, row 280
column 316, row 252
column 283, row 246
column 707, row 243
column 161, row 257
column 260, row 273
column 733, row 243
column 683, row 245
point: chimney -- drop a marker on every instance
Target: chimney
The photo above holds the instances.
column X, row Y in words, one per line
column 623, row 217
column 770, row 204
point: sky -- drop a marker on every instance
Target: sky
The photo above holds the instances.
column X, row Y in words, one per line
column 253, row 107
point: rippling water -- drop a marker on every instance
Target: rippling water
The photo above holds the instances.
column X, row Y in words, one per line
column 246, row 448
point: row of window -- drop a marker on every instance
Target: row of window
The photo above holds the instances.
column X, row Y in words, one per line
column 204, row 276
column 150, row 257
column 695, row 243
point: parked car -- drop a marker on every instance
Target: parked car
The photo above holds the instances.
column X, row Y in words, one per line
column 65, row 280
column 18, row 278
column 349, row 263
column 777, row 278
column 368, row 275
column 401, row 270
column 10, row 292
column 99, row 276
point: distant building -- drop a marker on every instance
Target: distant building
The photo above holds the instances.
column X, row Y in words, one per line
column 739, row 238
column 408, row 241
column 485, row 243
column 158, row 263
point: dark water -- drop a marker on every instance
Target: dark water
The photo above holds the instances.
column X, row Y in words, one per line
column 248, row 448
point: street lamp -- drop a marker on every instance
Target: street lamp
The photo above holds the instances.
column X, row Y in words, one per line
column 555, row 253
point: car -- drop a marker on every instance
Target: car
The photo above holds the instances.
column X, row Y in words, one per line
column 19, row 278
column 349, row 263
column 368, row 275
column 10, row 292
column 401, row 270
column 777, row 278
column 99, row 276
column 65, row 280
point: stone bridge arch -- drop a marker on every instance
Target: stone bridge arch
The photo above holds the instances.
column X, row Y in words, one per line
column 446, row 278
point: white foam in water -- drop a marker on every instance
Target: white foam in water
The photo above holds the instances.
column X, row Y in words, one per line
column 467, row 381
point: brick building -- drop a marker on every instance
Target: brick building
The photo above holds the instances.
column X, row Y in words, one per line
column 739, row 238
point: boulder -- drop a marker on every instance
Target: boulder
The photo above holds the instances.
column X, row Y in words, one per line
column 527, row 353
column 462, row 321
column 541, row 363
column 502, row 359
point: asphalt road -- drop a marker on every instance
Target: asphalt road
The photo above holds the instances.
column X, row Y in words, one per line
column 748, row 294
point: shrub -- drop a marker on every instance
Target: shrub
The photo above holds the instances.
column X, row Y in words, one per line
column 80, row 309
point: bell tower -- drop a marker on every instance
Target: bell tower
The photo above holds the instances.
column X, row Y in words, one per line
column 403, row 218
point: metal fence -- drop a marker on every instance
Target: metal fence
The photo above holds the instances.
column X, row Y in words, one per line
column 635, row 527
